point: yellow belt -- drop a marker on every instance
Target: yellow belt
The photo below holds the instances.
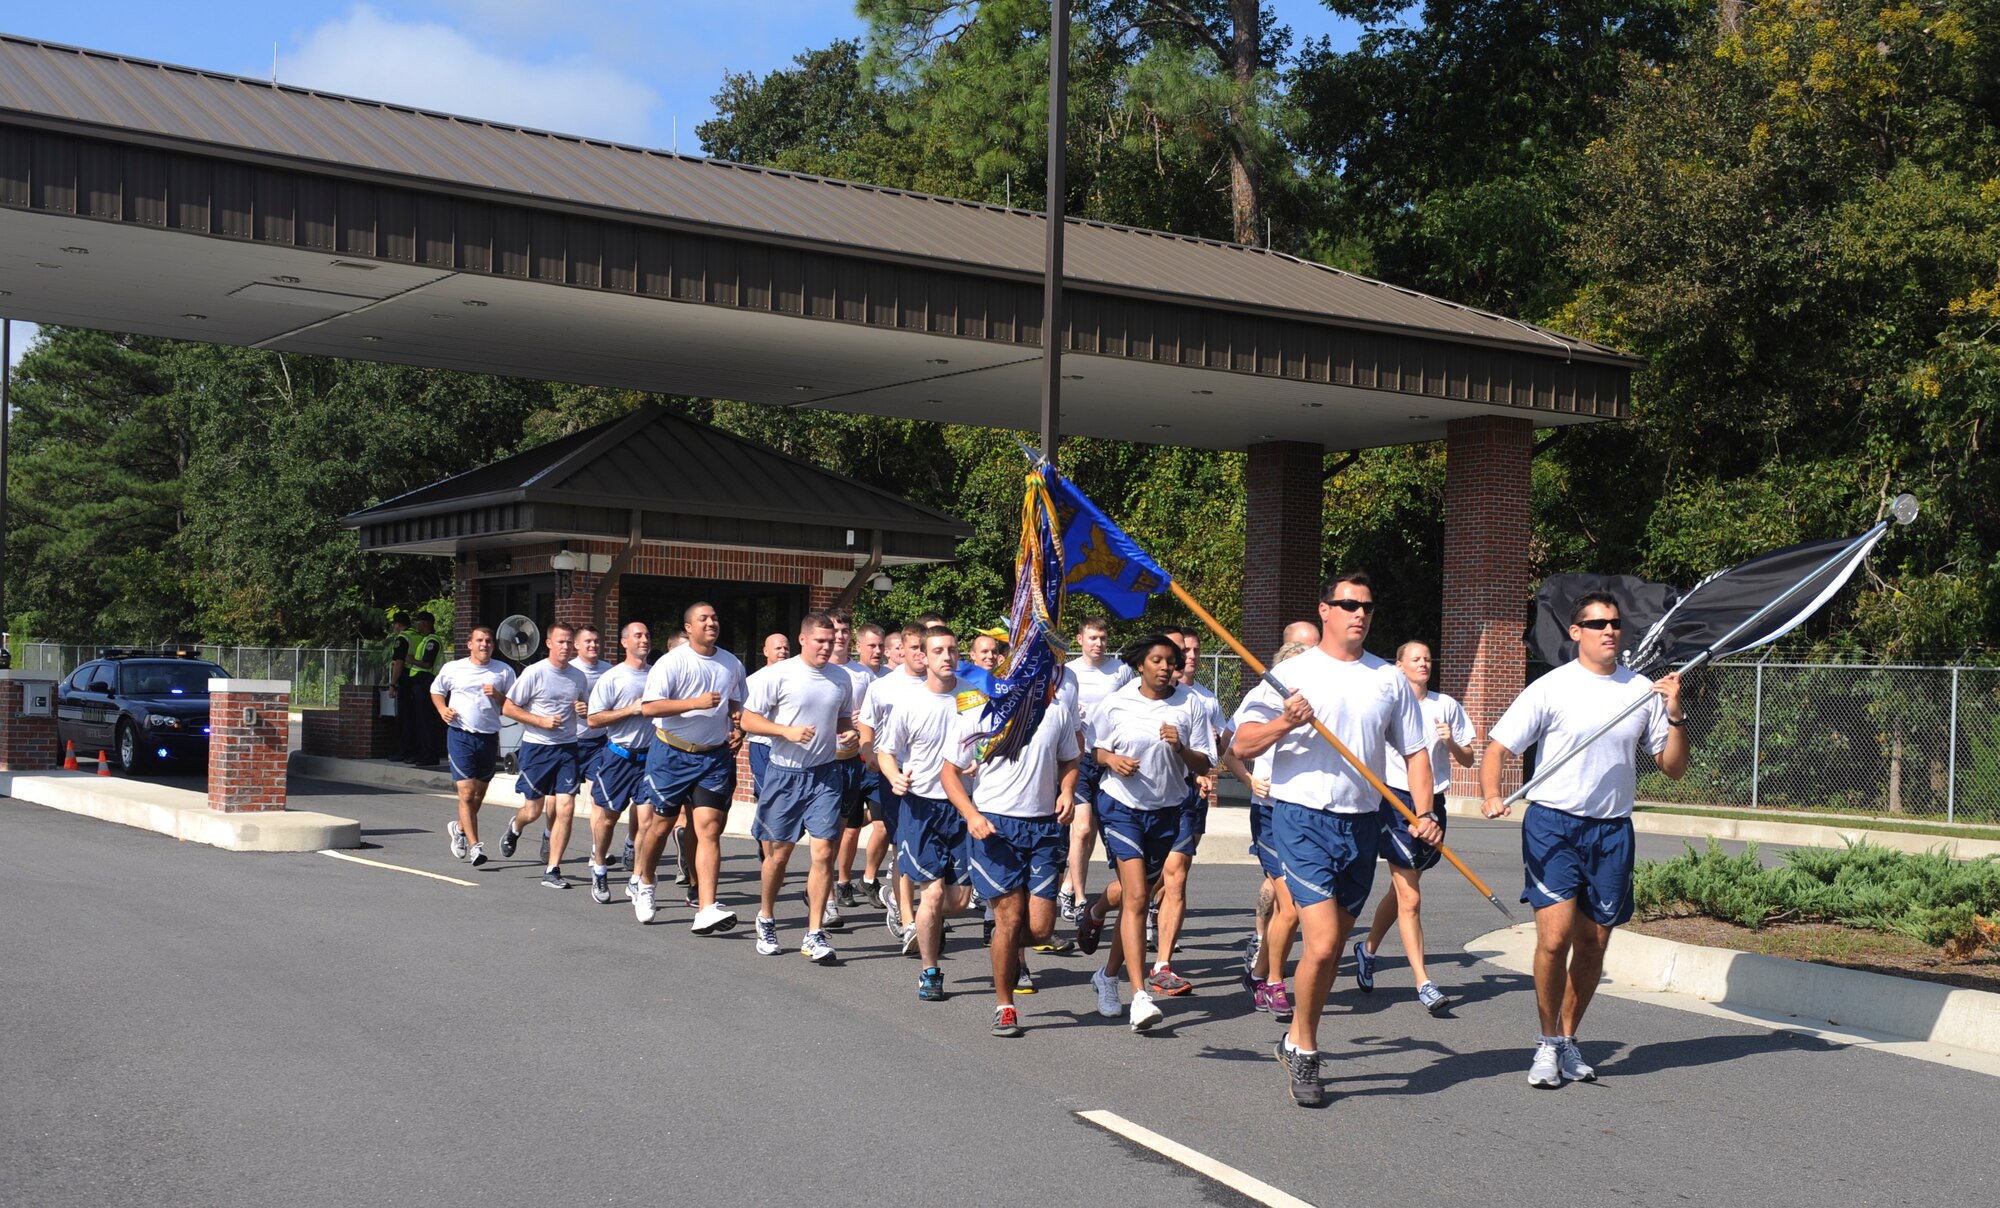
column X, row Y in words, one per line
column 680, row 744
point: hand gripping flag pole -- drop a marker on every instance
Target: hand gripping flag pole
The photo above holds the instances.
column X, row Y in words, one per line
column 1825, row 579
column 1104, row 562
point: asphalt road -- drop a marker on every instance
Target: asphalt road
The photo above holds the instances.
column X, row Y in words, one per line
column 186, row 1026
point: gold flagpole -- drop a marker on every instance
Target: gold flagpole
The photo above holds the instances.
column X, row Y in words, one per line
column 1251, row 661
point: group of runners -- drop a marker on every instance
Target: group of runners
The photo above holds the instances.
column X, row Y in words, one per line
column 868, row 746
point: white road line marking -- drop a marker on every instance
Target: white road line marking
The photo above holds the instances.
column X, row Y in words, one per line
column 1230, row 1177
column 415, row 872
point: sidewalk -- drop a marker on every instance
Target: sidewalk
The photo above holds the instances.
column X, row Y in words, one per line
column 182, row 813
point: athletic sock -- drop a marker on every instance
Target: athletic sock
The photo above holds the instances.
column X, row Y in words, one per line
column 598, row 870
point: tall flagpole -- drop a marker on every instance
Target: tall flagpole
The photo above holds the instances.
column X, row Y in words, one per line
column 1052, row 259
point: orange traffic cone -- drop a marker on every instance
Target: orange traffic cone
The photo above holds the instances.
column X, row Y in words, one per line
column 69, row 757
column 103, row 765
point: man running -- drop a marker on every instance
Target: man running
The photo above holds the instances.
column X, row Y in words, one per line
column 1270, row 946
column 896, row 898
column 620, row 778
column 803, row 709
column 1170, row 912
column 853, row 792
column 913, row 748
column 1449, row 730
column 1151, row 736
column 1098, row 674
column 466, row 695
column 694, row 696
column 1324, row 817
column 589, row 741
column 1578, row 846
column 550, row 701
column 1013, row 813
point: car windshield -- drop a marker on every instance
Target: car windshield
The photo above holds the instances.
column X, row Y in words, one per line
column 166, row 679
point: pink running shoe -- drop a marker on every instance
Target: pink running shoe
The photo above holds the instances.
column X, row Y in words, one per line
column 1277, row 1002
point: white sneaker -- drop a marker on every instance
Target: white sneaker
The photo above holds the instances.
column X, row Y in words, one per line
column 642, row 903
column 712, row 919
column 1144, row 1013
column 767, row 937
column 1108, row 1004
column 909, row 939
column 460, row 849
column 1545, row 1070
column 892, row 915
column 1569, row 1059
column 830, row 917
column 478, row 855
column 816, row 948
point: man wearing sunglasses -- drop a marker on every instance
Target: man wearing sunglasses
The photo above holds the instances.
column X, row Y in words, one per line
column 1578, row 846
column 1325, row 819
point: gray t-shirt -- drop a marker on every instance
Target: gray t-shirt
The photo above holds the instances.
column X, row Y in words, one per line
column 1563, row 708
column 620, row 688
column 920, row 733
column 793, row 693
column 462, row 684
column 683, row 673
column 550, row 691
column 592, row 673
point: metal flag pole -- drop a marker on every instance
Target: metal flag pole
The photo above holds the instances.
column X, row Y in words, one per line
column 1052, row 257
column 1902, row 511
column 6, row 413
column 1388, row 795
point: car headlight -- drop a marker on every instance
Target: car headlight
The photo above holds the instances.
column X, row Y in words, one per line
column 160, row 721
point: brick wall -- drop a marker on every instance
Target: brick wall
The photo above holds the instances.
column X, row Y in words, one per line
column 1282, row 529
column 1486, row 531
column 352, row 731
column 27, row 744
column 246, row 760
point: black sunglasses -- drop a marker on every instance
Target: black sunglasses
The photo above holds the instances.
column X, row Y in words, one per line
column 1364, row 607
column 1601, row 623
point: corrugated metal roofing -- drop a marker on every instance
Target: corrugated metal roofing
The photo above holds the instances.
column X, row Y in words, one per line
column 662, row 462
column 182, row 106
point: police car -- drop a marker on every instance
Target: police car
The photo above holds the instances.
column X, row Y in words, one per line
column 146, row 708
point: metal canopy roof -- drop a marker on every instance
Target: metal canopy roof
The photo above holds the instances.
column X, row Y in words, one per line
column 690, row 483
column 351, row 228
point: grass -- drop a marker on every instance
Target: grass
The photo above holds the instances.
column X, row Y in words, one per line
column 1941, row 830
column 1943, row 903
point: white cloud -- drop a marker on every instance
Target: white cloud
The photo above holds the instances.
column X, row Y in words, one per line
column 432, row 66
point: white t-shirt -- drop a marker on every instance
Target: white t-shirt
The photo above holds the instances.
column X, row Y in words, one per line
column 1093, row 684
column 462, row 683
column 921, row 732
column 548, row 690
column 1127, row 722
column 859, row 679
column 1260, row 767
column 749, row 686
column 1218, row 724
column 592, row 672
column 1566, row 706
column 1366, row 703
column 794, row 693
column 621, row 687
column 684, row 672
column 1437, row 707
column 1026, row 785
column 883, row 697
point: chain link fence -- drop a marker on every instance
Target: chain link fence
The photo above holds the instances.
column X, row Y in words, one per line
column 317, row 674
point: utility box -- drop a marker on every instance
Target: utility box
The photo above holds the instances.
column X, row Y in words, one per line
column 38, row 699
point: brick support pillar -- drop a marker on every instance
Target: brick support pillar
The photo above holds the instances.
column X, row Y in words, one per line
column 249, row 731
column 1282, row 565
column 575, row 608
column 355, row 730
column 1486, row 530
column 27, row 744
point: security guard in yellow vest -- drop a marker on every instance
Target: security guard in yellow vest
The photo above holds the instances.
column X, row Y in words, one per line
column 423, row 729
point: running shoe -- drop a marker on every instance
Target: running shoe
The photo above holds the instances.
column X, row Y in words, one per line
column 873, row 893
column 1066, row 904
column 1276, row 1001
column 1260, row 996
column 690, row 900
column 642, row 903
column 1053, row 944
column 553, row 879
column 1569, row 1059
column 816, row 948
column 1167, row 982
column 1088, row 929
column 1252, row 944
column 892, row 915
column 674, row 846
column 600, row 886
column 1433, row 999
column 767, row 938
column 460, row 849
column 1303, row 1070
column 1024, row 981
column 977, row 902
column 1145, row 1013
column 680, row 876
column 509, row 841
column 1006, row 1022
column 478, row 854
column 930, row 984
column 850, row 894
column 986, row 933
column 611, row 860
column 712, row 920
column 829, row 918
column 1107, row 995
column 1364, row 967
column 909, row 940
column 631, row 886
column 544, row 857
column 630, row 855
column 1546, row 1069
column 1152, row 925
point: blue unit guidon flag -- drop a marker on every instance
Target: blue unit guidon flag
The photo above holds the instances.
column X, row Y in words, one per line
column 1100, row 559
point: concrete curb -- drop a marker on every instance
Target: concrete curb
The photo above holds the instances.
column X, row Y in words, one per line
column 182, row 813
column 1786, row 993
column 1786, row 832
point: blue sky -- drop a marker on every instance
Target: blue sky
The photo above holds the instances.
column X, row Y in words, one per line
column 640, row 71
